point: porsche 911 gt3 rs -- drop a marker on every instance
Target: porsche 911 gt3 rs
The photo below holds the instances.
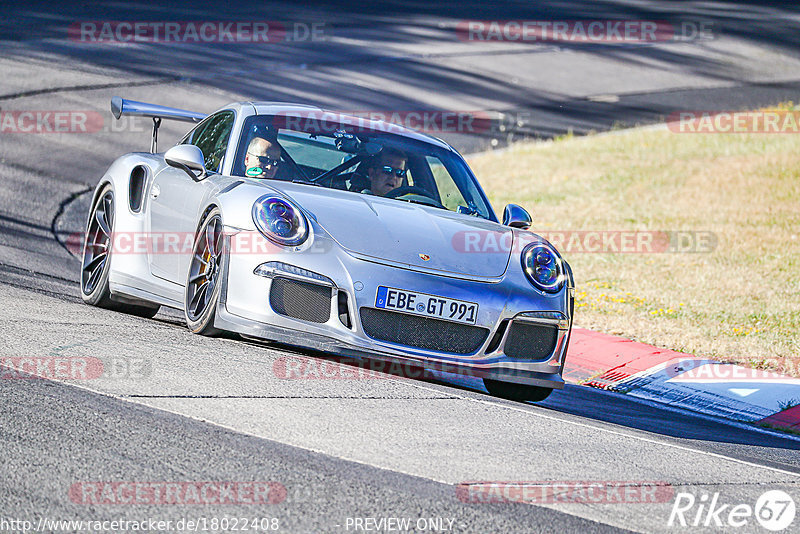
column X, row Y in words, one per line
column 332, row 232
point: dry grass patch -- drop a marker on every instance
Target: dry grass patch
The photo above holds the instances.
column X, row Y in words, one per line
column 740, row 302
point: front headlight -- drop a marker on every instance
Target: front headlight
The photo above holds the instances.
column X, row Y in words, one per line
column 543, row 266
column 280, row 221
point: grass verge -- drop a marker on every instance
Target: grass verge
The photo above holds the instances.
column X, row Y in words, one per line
column 739, row 302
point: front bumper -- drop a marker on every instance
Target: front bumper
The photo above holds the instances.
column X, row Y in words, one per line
column 244, row 307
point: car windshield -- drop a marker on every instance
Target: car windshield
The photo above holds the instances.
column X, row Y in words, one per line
column 363, row 161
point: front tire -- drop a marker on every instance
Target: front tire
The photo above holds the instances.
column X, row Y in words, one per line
column 203, row 280
column 96, row 259
column 516, row 392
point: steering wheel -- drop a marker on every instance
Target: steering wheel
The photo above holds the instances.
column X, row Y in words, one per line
column 409, row 190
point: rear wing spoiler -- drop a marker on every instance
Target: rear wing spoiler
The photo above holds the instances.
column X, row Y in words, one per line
column 120, row 107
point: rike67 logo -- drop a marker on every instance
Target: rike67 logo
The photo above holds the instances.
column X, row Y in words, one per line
column 774, row 510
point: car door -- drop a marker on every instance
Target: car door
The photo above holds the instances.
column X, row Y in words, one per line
column 175, row 199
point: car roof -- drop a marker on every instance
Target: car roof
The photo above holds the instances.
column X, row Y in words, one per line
column 314, row 112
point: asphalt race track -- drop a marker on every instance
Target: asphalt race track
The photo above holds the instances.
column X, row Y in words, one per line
column 184, row 408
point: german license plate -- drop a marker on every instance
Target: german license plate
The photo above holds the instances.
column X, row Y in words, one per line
column 390, row 298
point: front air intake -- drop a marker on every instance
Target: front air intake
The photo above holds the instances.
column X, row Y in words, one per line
column 301, row 300
column 422, row 332
column 530, row 341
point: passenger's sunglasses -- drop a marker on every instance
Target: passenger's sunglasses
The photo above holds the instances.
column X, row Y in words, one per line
column 400, row 173
column 266, row 161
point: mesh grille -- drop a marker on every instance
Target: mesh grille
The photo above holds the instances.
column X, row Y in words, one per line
column 301, row 300
column 531, row 341
column 422, row 332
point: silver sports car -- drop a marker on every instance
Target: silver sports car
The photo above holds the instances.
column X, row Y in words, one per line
column 331, row 232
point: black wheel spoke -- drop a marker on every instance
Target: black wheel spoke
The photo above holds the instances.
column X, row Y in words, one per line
column 204, row 269
column 98, row 243
column 95, row 276
column 102, row 224
column 197, row 277
column 194, row 305
column 217, row 237
column 92, row 264
column 210, row 240
column 108, row 211
column 211, row 283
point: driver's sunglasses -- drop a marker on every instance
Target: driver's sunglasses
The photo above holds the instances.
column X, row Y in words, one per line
column 400, row 173
column 266, row 161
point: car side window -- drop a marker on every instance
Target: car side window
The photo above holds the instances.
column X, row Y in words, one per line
column 212, row 137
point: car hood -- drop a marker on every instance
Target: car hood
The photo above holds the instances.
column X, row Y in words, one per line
column 393, row 231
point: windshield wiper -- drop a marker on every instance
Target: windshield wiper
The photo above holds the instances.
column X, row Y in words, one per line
column 414, row 201
column 305, row 182
column 471, row 209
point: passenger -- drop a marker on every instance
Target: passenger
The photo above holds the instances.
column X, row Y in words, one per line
column 262, row 159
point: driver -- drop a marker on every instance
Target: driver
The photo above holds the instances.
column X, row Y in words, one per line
column 387, row 172
column 262, row 158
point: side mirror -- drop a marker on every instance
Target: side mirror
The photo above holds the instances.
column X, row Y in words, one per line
column 188, row 158
column 516, row 217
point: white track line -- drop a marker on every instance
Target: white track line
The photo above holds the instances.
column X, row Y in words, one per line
column 617, row 433
column 456, row 395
